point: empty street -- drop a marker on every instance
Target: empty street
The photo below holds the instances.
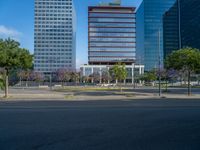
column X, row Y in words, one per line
column 100, row 125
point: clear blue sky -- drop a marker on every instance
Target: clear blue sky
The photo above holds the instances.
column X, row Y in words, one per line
column 17, row 22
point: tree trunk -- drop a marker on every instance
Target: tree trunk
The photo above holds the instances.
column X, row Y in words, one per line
column 100, row 80
column 166, row 84
column 182, row 80
column 116, row 81
column 20, row 81
column 92, row 80
column 189, row 86
column 26, row 83
column 6, row 84
column 62, row 84
column 120, row 87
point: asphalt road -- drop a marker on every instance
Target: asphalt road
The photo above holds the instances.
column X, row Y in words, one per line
column 100, row 125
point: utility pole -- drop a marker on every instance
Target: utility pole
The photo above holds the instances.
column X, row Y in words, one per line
column 179, row 23
column 159, row 63
column 51, row 81
column 134, row 86
column 51, row 72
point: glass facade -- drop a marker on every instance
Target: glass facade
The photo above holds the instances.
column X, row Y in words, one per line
column 171, row 32
column 112, row 40
column 182, row 26
column 113, row 44
column 54, row 35
column 140, row 34
column 190, row 23
column 125, row 30
column 112, row 24
column 153, row 16
column 112, row 35
column 110, row 15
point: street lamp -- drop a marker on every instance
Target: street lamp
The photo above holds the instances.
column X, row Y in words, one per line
column 50, row 77
column 159, row 63
column 134, row 86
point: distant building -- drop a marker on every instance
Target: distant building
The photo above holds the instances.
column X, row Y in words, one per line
column 153, row 22
column 171, row 31
column 111, row 39
column 134, row 71
column 181, row 25
column 140, row 54
column 112, row 35
column 190, row 23
column 55, row 35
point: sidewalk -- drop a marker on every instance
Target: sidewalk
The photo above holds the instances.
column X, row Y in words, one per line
column 45, row 94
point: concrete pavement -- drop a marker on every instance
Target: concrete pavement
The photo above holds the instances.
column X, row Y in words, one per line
column 139, row 93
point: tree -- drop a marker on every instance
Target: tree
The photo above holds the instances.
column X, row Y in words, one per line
column 119, row 72
column 198, row 79
column 85, row 79
column 106, row 76
column 95, row 77
column 184, row 59
column 149, row 76
column 63, row 75
column 75, row 76
column 37, row 77
column 13, row 57
column 25, row 75
column 2, row 84
column 172, row 75
column 166, row 76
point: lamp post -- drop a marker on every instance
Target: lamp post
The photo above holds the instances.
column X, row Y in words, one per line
column 50, row 77
column 159, row 63
column 134, row 86
column 179, row 23
column 51, row 80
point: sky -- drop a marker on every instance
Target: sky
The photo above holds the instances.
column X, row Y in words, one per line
column 17, row 22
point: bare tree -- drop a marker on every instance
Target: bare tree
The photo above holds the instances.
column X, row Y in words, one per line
column 24, row 76
column 63, row 75
column 37, row 77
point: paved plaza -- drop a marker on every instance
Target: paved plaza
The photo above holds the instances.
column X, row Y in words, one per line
column 96, row 93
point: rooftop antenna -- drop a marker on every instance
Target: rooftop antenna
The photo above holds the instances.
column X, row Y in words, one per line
column 118, row 2
column 100, row 3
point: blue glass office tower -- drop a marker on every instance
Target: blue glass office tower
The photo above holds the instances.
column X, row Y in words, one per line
column 153, row 22
column 190, row 23
column 140, row 35
column 171, row 32
column 181, row 25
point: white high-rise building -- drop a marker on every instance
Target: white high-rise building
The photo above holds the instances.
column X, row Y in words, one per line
column 55, row 35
